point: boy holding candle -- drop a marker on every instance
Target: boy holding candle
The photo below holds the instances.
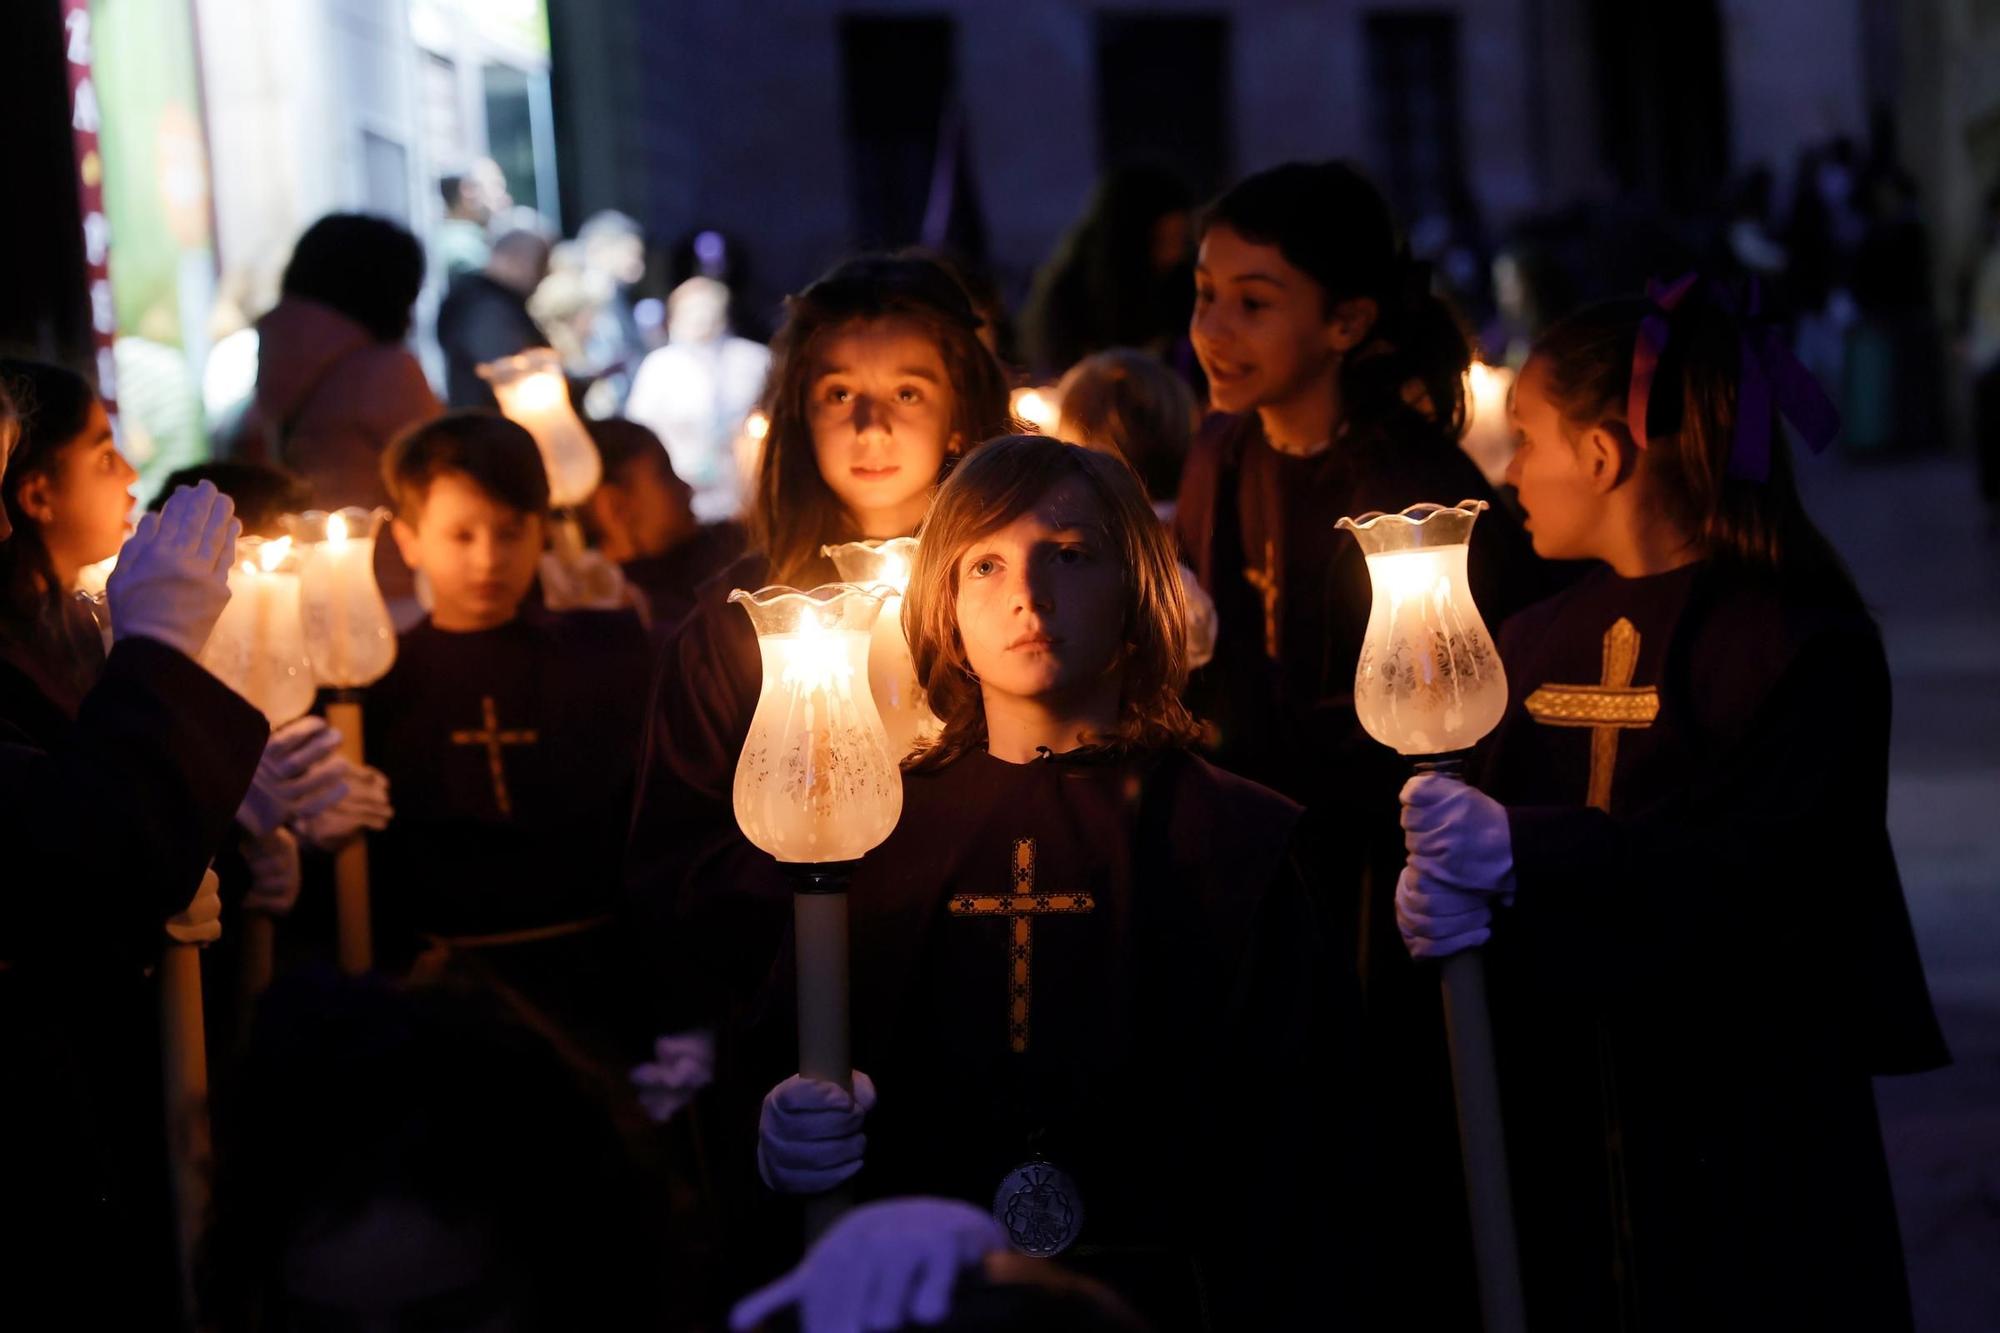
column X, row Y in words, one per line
column 1091, row 986
column 510, row 734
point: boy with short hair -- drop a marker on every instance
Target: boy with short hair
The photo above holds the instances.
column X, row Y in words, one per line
column 510, row 733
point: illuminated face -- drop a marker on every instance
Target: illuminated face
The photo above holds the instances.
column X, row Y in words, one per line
column 479, row 554
column 83, row 506
column 1259, row 328
column 1563, row 507
column 880, row 406
column 1041, row 601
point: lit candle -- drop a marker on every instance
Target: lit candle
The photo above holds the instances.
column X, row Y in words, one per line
column 1489, row 435
column 816, row 781
column 353, row 645
column 892, row 677
column 258, row 646
column 532, row 391
column 1038, row 408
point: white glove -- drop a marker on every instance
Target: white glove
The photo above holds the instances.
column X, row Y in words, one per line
column 882, row 1266
column 1457, row 835
column 365, row 805
column 585, row 581
column 809, row 1135
column 201, row 923
column 172, row 579
column 1438, row 921
column 682, row 1065
column 274, row 873
column 293, row 776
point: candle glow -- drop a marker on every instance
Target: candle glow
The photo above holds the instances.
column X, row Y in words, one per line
column 892, row 678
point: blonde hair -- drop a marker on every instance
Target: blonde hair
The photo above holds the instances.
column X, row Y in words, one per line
column 994, row 485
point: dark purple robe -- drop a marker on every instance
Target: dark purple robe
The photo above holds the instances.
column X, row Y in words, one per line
column 1695, row 985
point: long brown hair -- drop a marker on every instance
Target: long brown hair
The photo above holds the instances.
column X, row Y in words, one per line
column 794, row 512
column 995, row 485
column 53, row 406
column 1691, row 429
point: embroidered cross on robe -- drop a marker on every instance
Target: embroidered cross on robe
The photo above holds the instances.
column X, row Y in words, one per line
column 1610, row 706
column 494, row 738
column 1023, row 904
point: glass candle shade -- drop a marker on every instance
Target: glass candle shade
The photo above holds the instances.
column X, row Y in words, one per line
column 1429, row 680
column 533, row 392
column 258, row 646
column 885, row 567
column 1039, row 409
column 348, row 631
column 816, row 781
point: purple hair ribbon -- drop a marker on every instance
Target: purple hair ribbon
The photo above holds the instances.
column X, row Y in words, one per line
column 1646, row 350
column 1768, row 374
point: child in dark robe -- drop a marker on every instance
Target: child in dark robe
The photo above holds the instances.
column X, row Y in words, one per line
column 879, row 381
column 119, row 775
column 641, row 517
column 509, row 735
column 1090, row 980
column 1338, row 383
column 1701, row 951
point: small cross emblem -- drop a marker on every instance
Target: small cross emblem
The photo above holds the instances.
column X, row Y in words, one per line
column 493, row 738
column 1607, row 708
column 1023, row 905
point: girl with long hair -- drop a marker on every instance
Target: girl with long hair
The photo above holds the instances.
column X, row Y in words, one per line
column 1678, row 854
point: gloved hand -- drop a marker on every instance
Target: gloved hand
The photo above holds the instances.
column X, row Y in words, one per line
column 365, row 806
column 1204, row 626
column 1437, row 920
column 274, row 873
column 809, row 1135
column 201, row 923
column 1457, row 835
column 882, row 1266
column 293, row 776
column 682, row 1065
column 172, row 579
column 585, row 581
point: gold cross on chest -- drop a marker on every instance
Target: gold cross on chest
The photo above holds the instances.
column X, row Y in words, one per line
column 1024, row 904
column 1268, row 582
column 1607, row 708
column 493, row 738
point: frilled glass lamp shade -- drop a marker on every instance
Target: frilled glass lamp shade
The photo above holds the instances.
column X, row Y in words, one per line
column 258, row 646
column 1489, row 435
column 1429, row 681
column 349, row 634
column 533, row 392
column 885, row 566
column 816, row 782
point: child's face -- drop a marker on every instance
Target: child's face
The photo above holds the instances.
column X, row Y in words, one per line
column 1562, row 500
column 82, row 506
column 880, row 406
column 1260, row 328
column 479, row 553
column 1041, row 601
column 647, row 506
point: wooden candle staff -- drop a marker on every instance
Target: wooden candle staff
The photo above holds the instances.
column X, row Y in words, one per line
column 352, row 643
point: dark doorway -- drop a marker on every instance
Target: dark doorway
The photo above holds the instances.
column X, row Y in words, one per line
column 1163, row 95
column 1413, row 110
column 1663, row 101
column 898, row 74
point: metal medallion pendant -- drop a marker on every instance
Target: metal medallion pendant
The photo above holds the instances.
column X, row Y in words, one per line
column 1041, row 1207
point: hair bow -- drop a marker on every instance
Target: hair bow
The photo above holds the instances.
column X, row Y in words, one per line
column 1768, row 374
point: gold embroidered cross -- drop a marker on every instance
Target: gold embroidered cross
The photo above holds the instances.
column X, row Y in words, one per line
column 1267, row 582
column 1607, row 708
column 493, row 738
column 1023, row 905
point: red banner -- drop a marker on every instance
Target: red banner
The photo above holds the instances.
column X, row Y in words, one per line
column 84, row 122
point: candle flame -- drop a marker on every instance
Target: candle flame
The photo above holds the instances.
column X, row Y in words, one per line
column 895, row 572
column 536, row 393
column 816, row 658
column 274, row 553
column 756, row 425
column 1036, row 408
column 336, row 530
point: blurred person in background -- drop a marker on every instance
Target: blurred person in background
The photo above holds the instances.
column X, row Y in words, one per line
column 485, row 315
column 696, row 392
column 471, row 200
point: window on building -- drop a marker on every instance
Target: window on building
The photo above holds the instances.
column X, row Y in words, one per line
column 898, row 74
column 1413, row 110
column 1163, row 95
